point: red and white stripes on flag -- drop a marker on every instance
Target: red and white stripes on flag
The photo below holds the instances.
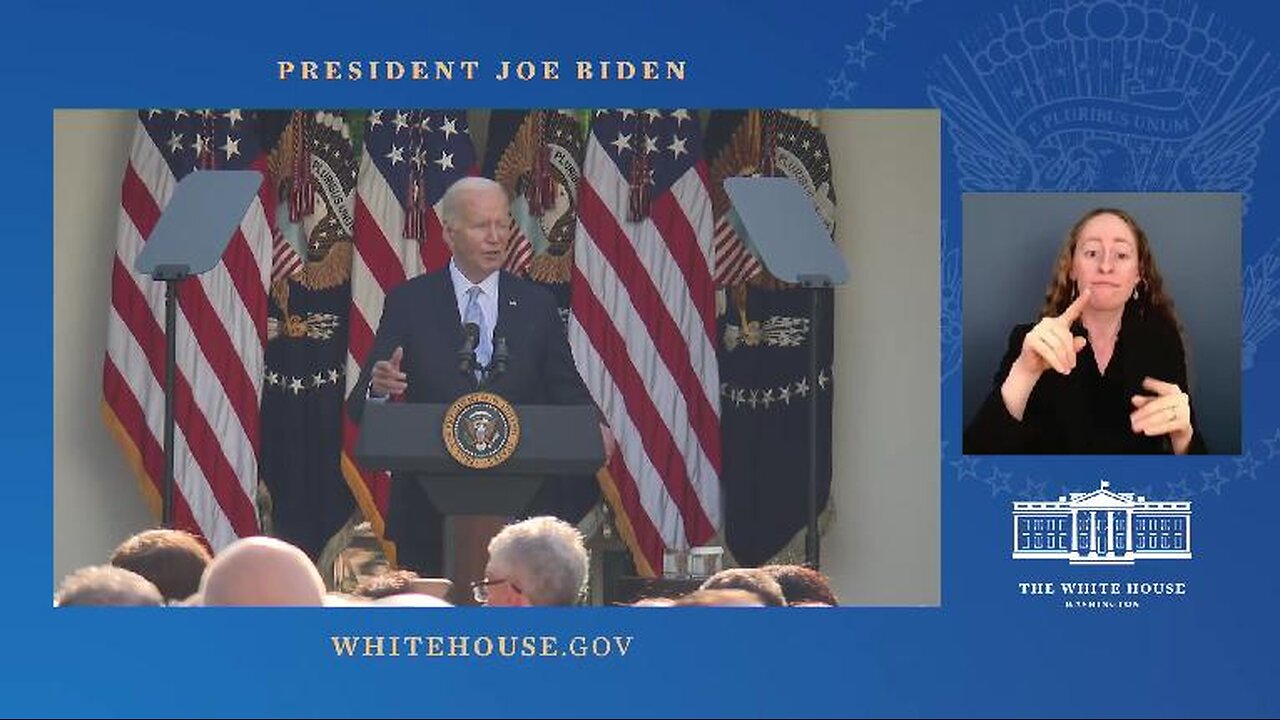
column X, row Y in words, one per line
column 734, row 262
column 642, row 326
column 410, row 158
column 221, row 331
column 519, row 252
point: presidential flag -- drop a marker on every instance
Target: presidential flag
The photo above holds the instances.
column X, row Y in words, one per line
column 764, row 337
column 642, row 325
column 313, row 171
column 221, row 330
column 537, row 156
column 410, row 158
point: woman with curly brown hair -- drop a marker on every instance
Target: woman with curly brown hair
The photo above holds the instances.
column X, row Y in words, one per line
column 1104, row 371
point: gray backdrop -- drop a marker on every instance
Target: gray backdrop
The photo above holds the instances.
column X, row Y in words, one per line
column 1012, row 239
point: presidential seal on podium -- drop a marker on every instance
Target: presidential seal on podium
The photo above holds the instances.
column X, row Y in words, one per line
column 481, row 430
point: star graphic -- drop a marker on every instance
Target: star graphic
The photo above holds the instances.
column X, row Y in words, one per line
column 233, row 117
column 1273, row 445
column 273, row 378
column 680, row 116
column 841, row 86
column 802, row 387
column 401, row 120
column 1214, row 480
column 445, row 161
column 295, row 385
column 627, row 113
column 653, row 114
column 1180, row 489
column 174, row 143
column 1247, row 465
column 766, row 397
column 650, row 144
column 823, row 380
column 375, row 119
column 999, row 481
column 396, row 155
column 333, row 376
column 318, row 379
column 858, row 54
column 965, row 467
column 784, row 394
column 879, row 25
column 1033, row 490
column 753, row 398
column 449, row 127
column 201, row 145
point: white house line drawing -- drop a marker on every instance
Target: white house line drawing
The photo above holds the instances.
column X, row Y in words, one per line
column 1102, row 527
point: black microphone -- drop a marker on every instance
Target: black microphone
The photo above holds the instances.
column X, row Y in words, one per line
column 467, row 353
column 498, row 363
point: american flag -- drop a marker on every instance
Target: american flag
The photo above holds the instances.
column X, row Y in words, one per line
column 221, row 330
column 410, row 158
column 642, row 325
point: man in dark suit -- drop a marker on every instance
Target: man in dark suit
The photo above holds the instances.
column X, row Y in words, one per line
column 417, row 347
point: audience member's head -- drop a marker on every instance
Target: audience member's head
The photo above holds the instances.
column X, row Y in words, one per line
column 654, row 602
column 802, row 586
column 411, row 599
column 392, row 582
column 749, row 579
column 400, row 582
column 539, row 561
column 723, row 597
column 106, row 585
column 171, row 559
column 262, row 571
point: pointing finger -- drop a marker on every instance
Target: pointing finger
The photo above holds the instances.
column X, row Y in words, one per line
column 1072, row 313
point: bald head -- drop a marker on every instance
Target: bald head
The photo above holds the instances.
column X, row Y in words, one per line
column 262, row 571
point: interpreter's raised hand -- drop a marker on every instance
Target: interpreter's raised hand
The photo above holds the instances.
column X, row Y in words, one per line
column 387, row 378
column 1050, row 343
column 1167, row 412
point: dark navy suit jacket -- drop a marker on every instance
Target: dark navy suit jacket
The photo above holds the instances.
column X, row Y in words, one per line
column 421, row 316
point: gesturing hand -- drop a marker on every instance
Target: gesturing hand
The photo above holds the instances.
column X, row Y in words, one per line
column 1050, row 343
column 387, row 379
column 1168, row 412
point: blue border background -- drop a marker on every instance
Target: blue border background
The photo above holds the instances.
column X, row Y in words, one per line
column 987, row 650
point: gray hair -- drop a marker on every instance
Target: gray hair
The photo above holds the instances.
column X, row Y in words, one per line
column 546, row 557
column 106, row 585
column 470, row 183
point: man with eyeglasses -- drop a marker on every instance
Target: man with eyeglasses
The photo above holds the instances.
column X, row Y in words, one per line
column 539, row 561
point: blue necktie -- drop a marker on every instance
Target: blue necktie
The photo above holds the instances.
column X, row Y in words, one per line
column 473, row 314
